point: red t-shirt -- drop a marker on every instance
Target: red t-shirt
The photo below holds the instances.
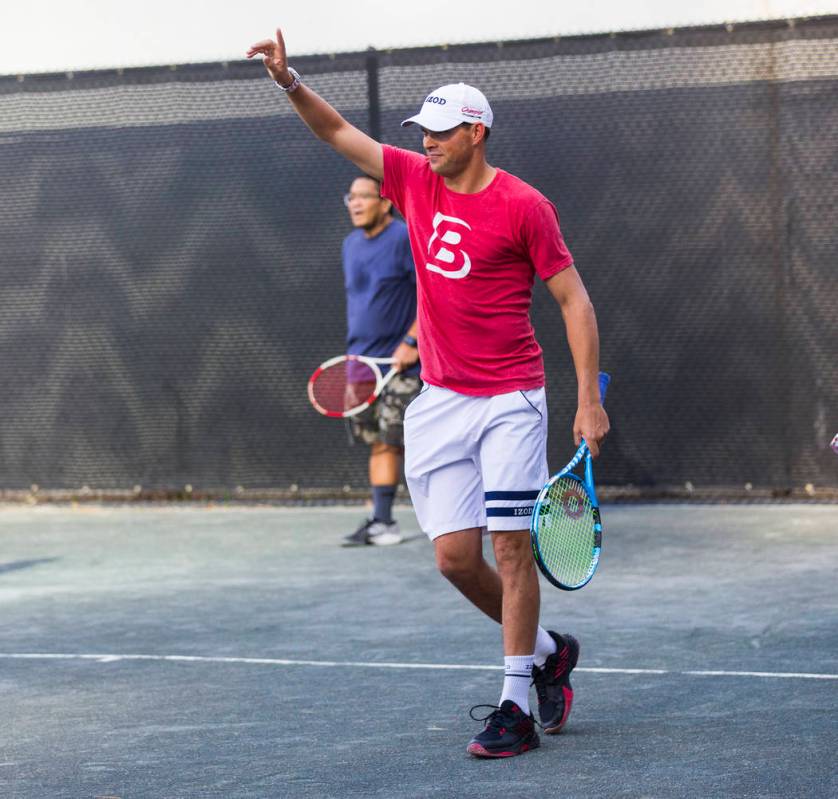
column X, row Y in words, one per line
column 476, row 256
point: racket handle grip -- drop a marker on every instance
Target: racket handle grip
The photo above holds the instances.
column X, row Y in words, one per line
column 604, row 380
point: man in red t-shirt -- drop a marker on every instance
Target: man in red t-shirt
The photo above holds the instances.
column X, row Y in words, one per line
column 475, row 437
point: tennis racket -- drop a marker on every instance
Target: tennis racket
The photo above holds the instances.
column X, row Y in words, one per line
column 566, row 531
column 348, row 384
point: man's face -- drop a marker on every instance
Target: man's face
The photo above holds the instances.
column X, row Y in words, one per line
column 450, row 151
column 366, row 207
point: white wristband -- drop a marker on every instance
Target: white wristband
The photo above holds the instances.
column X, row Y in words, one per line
column 294, row 83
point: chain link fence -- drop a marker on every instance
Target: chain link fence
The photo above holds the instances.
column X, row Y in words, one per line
column 170, row 247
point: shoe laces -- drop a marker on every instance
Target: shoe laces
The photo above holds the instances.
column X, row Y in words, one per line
column 494, row 712
column 496, row 718
column 364, row 526
column 540, row 682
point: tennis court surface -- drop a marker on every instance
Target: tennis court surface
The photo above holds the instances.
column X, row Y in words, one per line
column 186, row 651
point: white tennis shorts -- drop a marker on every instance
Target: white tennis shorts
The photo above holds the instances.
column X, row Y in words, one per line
column 475, row 461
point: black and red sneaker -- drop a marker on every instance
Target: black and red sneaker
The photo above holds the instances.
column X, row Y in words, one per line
column 508, row 732
column 552, row 683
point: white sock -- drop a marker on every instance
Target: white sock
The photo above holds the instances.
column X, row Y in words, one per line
column 544, row 647
column 516, row 681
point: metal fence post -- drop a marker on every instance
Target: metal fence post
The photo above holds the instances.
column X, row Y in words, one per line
column 374, row 104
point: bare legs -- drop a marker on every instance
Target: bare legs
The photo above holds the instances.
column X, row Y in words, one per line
column 509, row 595
column 385, row 464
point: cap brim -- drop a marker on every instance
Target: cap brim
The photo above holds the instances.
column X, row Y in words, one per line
column 432, row 123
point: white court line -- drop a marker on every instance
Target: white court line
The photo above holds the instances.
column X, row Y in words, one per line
column 103, row 658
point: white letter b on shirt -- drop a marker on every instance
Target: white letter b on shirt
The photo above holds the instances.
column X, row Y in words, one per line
column 443, row 254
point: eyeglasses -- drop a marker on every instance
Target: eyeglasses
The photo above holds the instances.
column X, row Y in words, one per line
column 350, row 196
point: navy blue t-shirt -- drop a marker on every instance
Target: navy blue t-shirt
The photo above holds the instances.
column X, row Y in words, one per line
column 380, row 283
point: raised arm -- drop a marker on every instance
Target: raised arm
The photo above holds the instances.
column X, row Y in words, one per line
column 326, row 123
column 591, row 422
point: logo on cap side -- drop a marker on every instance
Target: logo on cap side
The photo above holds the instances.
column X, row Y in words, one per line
column 471, row 112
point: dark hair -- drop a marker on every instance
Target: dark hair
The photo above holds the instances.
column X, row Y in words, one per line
column 377, row 182
column 364, row 176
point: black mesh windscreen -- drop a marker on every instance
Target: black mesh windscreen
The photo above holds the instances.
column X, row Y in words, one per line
column 170, row 249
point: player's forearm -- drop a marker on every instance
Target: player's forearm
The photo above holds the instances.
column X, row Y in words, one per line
column 320, row 117
column 323, row 120
column 329, row 126
column 583, row 340
column 570, row 293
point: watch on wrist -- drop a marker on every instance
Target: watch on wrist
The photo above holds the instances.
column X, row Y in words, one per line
column 294, row 83
column 410, row 341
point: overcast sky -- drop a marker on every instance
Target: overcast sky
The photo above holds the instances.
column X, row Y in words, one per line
column 52, row 35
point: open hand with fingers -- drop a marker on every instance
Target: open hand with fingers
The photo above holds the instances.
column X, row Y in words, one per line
column 274, row 57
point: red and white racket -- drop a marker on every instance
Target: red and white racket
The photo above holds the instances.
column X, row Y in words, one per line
column 348, row 384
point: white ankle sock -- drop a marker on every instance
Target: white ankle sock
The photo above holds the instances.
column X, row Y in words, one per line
column 544, row 647
column 516, row 681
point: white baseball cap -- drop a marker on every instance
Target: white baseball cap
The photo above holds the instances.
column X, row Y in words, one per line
column 450, row 106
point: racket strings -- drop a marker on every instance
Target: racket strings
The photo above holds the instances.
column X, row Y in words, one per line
column 566, row 531
column 343, row 386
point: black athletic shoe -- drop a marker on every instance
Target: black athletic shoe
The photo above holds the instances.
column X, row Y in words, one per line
column 508, row 732
column 378, row 534
column 360, row 537
column 552, row 683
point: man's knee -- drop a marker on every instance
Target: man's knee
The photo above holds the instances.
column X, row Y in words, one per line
column 513, row 553
column 454, row 566
column 457, row 560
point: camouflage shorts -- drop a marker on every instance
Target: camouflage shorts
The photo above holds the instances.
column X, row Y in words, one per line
column 383, row 421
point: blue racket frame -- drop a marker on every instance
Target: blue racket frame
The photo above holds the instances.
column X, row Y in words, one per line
column 587, row 484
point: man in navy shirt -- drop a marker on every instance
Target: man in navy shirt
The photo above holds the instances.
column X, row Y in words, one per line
column 380, row 283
